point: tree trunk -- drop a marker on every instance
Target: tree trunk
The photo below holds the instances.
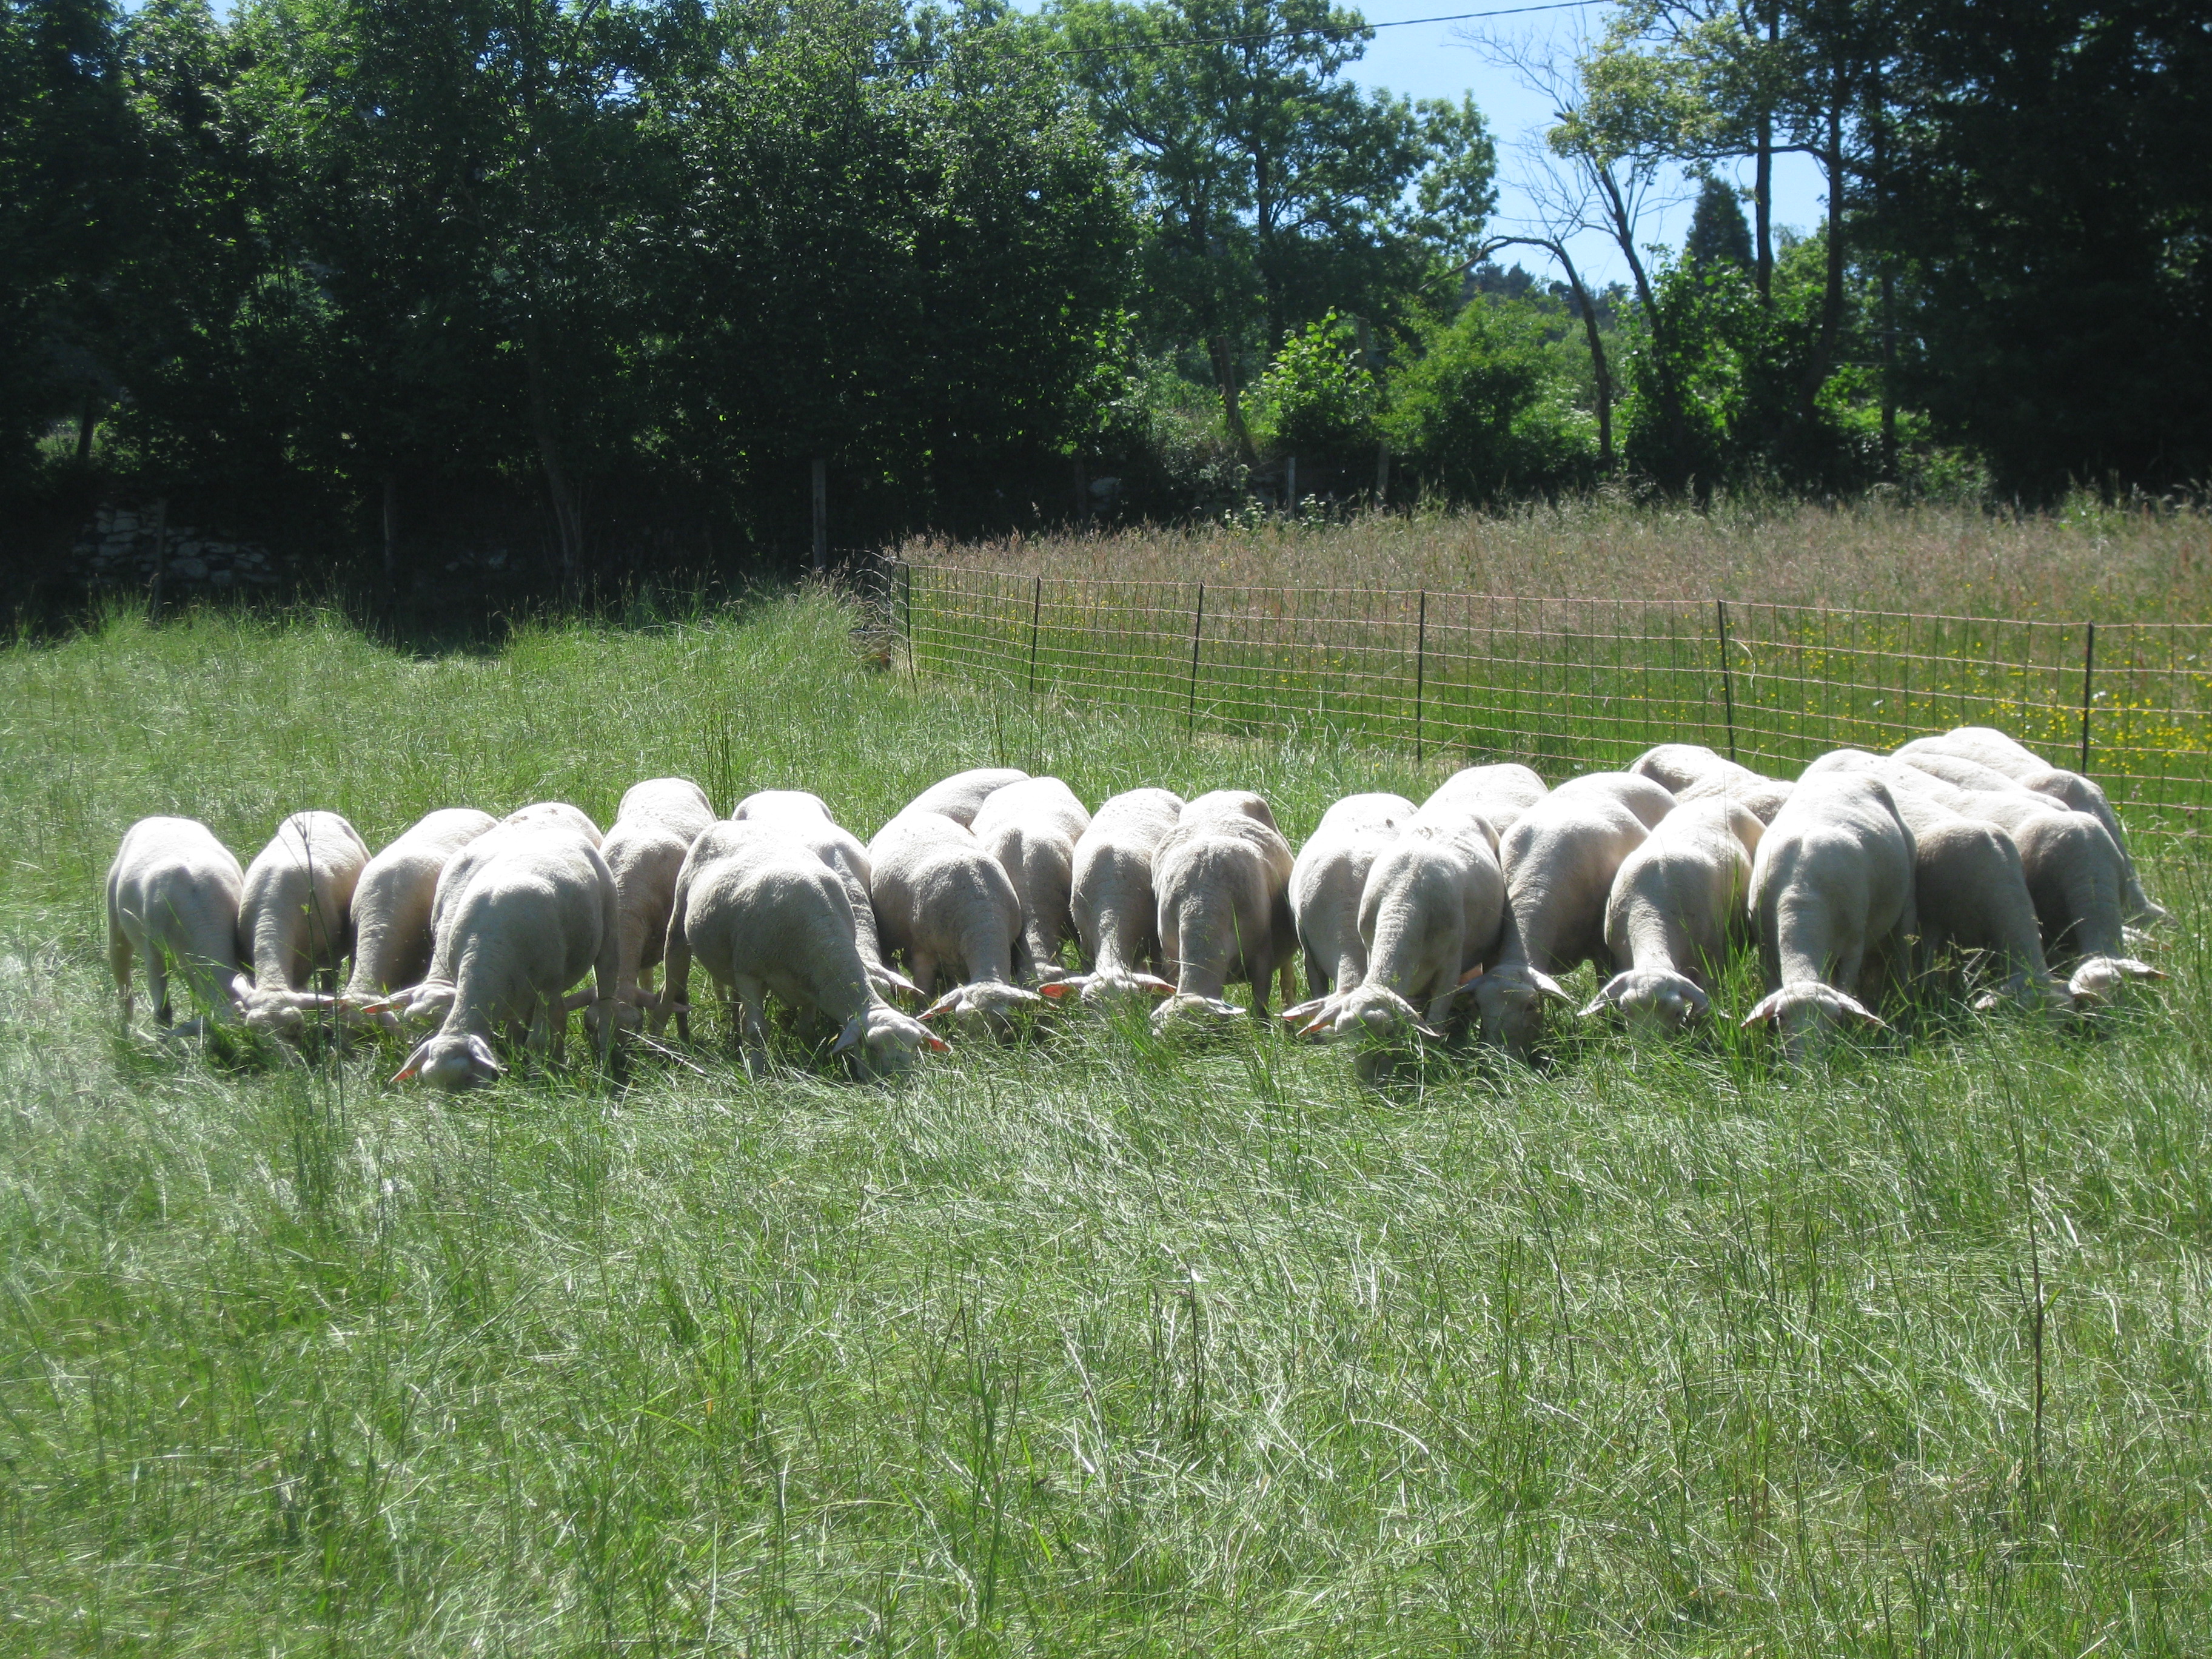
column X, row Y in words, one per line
column 1831, row 298
column 391, row 533
column 567, row 524
column 1623, row 235
column 1224, row 371
column 1599, row 366
column 87, row 420
column 1763, row 184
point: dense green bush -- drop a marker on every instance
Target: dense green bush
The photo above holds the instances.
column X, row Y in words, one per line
column 1489, row 412
column 1317, row 401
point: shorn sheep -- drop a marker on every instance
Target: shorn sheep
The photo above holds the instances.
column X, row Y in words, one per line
column 654, row 829
column 1676, row 908
column 1831, row 896
column 764, row 915
column 1111, row 901
column 391, row 909
column 295, row 918
column 173, row 894
column 1031, row 827
column 944, row 904
column 805, row 818
column 1327, row 877
column 537, row 914
column 1222, row 880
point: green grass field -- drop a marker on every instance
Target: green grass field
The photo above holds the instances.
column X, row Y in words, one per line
column 1090, row 1347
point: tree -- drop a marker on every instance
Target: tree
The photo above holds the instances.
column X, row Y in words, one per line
column 1718, row 234
column 1273, row 190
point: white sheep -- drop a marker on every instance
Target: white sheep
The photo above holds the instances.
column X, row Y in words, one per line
column 680, row 804
column 391, row 908
column 961, row 796
column 1111, row 901
column 1559, row 858
column 1221, row 879
column 1991, row 748
column 764, row 914
column 536, row 914
column 1762, row 797
column 946, row 905
column 805, row 818
column 555, row 817
column 173, row 896
column 2075, row 873
column 1831, row 900
column 558, row 812
column 1676, row 908
column 1031, row 827
column 1499, row 793
column 1675, row 767
column 644, row 853
column 1328, row 878
column 295, row 918
column 1431, row 908
column 1649, row 801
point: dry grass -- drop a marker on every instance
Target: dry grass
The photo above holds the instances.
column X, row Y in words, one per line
column 2085, row 562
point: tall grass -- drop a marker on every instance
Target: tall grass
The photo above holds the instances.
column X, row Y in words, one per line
column 1088, row 1346
column 2088, row 562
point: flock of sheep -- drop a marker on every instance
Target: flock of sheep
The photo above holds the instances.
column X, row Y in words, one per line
column 1413, row 920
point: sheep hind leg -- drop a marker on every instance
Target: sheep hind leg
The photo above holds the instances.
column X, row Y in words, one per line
column 118, row 964
column 751, row 1025
column 157, row 986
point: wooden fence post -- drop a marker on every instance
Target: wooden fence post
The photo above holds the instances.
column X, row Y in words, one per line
column 1728, row 679
column 160, row 552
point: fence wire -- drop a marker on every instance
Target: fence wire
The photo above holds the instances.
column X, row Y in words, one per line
column 1575, row 684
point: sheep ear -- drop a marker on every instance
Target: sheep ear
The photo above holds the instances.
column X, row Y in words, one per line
column 1321, row 1031
column 2133, row 970
column 1597, row 1005
column 855, row 1029
column 1767, row 1010
column 414, row 1061
column 937, row 1044
column 1303, row 1011
column 1053, row 990
column 1473, row 974
column 947, row 1004
column 1429, row 1031
column 480, row 1053
column 241, row 988
column 1550, row 988
column 1154, row 983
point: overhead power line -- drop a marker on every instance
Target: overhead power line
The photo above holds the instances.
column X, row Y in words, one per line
column 1135, row 47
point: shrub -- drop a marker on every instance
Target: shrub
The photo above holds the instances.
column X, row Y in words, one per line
column 1486, row 412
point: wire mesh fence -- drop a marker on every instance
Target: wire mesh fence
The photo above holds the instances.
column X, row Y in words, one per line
column 1575, row 684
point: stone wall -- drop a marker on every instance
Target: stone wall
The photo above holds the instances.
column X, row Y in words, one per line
column 117, row 550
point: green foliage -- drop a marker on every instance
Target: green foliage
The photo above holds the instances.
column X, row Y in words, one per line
column 1718, row 234
column 1317, row 401
column 1487, row 413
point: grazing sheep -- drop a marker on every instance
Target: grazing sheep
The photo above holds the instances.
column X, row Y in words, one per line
column 806, row 819
column 1677, row 906
column 1032, row 828
column 764, row 914
column 560, row 812
column 678, row 803
column 2075, row 872
column 1432, row 906
column 1649, row 801
column 1222, row 880
column 1111, row 901
column 961, row 796
column 781, row 806
column 945, row 902
column 1328, row 878
column 1677, row 767
column 172, row 895
column 1500, row 794
column 391, row 909
column 537, row 914
column 1763, row 797
column 643, row 855
column 295, row 918
column 1559, row 858
column 1991, row 748
column 1832, row 898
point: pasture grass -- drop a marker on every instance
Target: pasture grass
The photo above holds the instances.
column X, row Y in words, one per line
column 2085, row 560
column 1088, row 1346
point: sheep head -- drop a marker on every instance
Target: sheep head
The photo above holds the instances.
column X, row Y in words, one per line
column 1655, row 998
column 454, row 1060
column 987, row 1008
column 1510, row 1002
column 1188, row 1014
column 1105, row 988
column 2100, row 979
column 883, row 1043
column 271, row 1012
column 1802, row 1010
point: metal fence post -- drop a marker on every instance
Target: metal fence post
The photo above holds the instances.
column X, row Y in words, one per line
column 906, row 573
column 2088, row 675
column 1421, row 670
column 1728, row 679
column 1197, row 628
column 1036, row 607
